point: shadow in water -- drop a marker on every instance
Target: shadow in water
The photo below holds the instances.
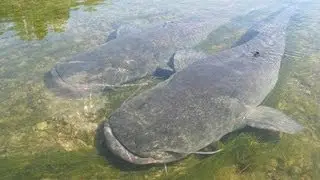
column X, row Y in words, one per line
column 263, row 135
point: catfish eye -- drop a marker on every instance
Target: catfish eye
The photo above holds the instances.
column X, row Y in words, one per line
column 256, row 54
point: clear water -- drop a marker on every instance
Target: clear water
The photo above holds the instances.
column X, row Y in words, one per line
column 46, row 137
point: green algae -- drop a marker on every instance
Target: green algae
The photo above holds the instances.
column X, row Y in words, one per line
column 57, row 164
column 246, row 157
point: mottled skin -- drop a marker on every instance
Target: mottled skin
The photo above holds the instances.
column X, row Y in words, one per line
column 203, row 102
column 126, row 58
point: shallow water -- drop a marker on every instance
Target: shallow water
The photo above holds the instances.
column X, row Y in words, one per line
column 45, row 136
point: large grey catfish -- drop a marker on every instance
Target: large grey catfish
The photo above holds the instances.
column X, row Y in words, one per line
column 203, row 102
column 127, row 58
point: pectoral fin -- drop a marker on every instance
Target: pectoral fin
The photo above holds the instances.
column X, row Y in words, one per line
column 178, row 61
column 263, row 117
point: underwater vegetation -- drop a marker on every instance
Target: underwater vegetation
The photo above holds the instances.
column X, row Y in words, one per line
column 45, row 137
column 57, row 164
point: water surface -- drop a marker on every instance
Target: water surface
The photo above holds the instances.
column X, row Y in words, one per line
column 45, row 136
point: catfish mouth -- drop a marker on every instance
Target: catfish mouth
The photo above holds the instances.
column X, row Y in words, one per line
column 118, row 149
column 60, row 87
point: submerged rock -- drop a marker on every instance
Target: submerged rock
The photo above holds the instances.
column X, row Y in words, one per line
column 41, row 126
